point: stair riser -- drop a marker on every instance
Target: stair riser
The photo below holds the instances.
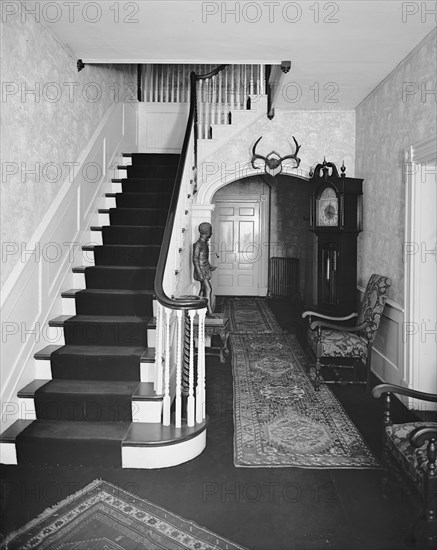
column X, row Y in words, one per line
column 147, row 457
column 132, row 186
column 137, row 305
column 139, row 171
column 132, row 217
column 102, row 219
column 123, row 235
column 78, row 282
column 105, row 334
column 128, row 280
column 152, row 159
column 69, row 308
column 8, row 454
column 91, row 411
column 138, row 201
column 94, row 336
column 126, row 256
column 43, row 371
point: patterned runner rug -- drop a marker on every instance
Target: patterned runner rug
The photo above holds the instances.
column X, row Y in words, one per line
column 104, row 516
column 250, row 316
column 279, row 418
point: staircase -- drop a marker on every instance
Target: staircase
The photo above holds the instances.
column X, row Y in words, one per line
column 94, row 400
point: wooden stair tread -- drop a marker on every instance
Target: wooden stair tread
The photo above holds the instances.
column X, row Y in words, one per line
column 111, row 291
column 10, row 434
column 130, row 210
column 152, row 435
column 60, row 320
column 148, row 354
column 81, row 268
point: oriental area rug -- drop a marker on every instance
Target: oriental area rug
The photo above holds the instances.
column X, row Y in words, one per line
column 279, row 418
column 250, row 316
column 103, row 516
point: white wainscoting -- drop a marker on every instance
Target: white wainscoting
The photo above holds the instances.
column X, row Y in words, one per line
column 388, row 349
column 31, row 296
column 162, row 127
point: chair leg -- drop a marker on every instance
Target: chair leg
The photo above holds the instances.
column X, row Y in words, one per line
column 317, row 380
column 368, row 371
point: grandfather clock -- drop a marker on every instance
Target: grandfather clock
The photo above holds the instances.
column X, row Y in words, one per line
column 336, row 217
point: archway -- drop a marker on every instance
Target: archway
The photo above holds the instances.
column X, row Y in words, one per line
column 271, row 214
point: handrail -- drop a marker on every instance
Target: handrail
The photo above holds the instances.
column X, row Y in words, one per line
column 161, row 296
column 184, row 302
column 211, row 73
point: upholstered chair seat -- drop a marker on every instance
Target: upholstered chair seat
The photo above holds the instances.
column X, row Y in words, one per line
column 411, row 460
column 327, row 340
column 411, row 448
column 339, row 343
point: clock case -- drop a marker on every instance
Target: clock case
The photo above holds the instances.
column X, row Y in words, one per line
column 336, row 270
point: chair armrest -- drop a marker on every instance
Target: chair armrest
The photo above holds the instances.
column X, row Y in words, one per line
column 392, row 388
column 422, row 434
column 328, row 317
column 324, row 324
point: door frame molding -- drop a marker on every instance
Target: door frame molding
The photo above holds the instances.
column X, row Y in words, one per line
column 422, row 152
column 264, row 207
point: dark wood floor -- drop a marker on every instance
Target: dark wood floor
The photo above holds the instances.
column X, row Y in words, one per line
column 260, row 508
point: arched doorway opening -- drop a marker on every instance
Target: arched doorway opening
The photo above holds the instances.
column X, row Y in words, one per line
column 257, row 218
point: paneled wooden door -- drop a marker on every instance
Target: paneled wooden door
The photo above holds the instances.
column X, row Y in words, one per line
column 237, row 240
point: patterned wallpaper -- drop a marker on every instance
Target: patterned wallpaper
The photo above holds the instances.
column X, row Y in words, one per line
column 394, row 116
column 320, row 133
column 45, row 131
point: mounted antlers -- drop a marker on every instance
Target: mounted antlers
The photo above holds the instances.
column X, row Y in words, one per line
column 271, row 164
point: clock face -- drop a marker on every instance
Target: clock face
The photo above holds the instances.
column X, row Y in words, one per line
column 327, row 208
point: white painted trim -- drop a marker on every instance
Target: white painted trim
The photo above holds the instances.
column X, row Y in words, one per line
column 163, row 456
column 388, row 350
column 389, row 302
column 32, row 293
column 208, row 189
column 418, row 154
column 8, row 453
column 154, row 61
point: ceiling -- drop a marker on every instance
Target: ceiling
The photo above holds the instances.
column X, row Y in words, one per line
column 339, row 50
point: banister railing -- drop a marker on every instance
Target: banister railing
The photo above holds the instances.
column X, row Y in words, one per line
column 180, row 317
column 176, row 313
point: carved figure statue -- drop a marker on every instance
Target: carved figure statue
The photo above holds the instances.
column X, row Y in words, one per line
column 202, row 268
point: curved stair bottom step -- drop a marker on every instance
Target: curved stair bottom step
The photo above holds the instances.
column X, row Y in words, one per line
column 145, row 446
column 163, row 454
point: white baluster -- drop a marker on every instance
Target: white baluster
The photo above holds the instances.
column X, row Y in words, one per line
column 251, row 81
column 200, row 389
column 207, row 107
column 232, row 87
column 244, row 86
column 220, row 98
column 178, row 403
column 158, row 350
column 226, row 93
column 155, row 83
column 190, row 399
column 166, row 402
column 213, row 98
column 178, row 84
column 240, row 87
column 263, row 79
column 199, row 109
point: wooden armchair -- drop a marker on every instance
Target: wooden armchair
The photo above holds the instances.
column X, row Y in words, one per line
column 411, row 448
column 331, row 343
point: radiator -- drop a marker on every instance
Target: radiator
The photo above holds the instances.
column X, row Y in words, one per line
column 284, row 277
